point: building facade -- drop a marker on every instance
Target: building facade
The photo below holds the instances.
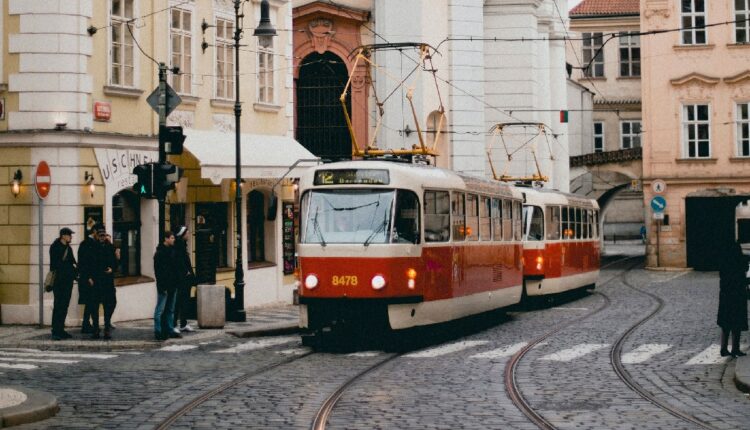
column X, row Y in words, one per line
column 696, row 155
column 75, row 76
column 605, row 56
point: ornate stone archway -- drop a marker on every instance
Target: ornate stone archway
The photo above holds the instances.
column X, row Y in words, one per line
column 322, row 27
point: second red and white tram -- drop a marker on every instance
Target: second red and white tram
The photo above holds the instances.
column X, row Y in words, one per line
column 561, row 242
column 406, row 245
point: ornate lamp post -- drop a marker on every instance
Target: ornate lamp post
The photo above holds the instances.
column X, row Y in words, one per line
column 265, row 32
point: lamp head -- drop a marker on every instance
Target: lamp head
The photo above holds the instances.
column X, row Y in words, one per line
column 15, row 185
column 264, row 30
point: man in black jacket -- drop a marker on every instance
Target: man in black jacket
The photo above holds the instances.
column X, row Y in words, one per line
column 63, row 263
column 87, row 252
column 165, row 268
column 185, row 280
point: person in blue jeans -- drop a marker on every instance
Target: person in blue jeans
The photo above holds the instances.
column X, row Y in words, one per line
column 165, row 268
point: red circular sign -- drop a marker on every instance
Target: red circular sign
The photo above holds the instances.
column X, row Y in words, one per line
column 42, row 179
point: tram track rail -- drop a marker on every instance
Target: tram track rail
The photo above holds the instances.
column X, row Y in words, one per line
column 511, row 383
column 615, row 356
column 324, row 413
column 185, row 409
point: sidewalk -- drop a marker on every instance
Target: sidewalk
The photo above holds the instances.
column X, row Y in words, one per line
column 19, row 405
column 742, row 373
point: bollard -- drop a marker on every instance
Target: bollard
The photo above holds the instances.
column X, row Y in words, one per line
column 211, row 306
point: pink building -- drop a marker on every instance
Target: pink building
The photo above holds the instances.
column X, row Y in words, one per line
column 696, row 126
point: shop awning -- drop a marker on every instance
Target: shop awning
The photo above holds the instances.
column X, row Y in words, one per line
column 262, row 156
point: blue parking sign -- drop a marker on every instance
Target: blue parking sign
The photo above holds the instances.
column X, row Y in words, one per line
column 658, row 204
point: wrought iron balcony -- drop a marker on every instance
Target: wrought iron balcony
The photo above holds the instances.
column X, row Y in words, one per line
column 607, row 157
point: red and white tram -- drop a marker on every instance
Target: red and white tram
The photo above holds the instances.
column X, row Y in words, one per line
column 406, row 245
column 561, row 247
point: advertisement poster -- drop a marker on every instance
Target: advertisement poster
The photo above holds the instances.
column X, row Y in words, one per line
column 287, row 210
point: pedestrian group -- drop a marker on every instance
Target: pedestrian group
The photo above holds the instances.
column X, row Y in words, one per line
column 95, row 269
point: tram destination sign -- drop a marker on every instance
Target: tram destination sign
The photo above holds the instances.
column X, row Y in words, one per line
column 351, row 177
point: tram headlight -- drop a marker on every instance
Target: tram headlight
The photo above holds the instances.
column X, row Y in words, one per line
column 411, row 274
column 311, row 281
column 539, row 262
column 378, row 282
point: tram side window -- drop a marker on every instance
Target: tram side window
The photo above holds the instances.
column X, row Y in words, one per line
column 517, row 226
column 497, row 219
column 436, row 216
column 485, row 210
column 406, row 224
column 566, row 228
column 507, row 220
column 553, row 223
column 534, row 220
column 472, row 217
column 458, row 211
column 577, row 224
column 585, row 223
column 595, row 233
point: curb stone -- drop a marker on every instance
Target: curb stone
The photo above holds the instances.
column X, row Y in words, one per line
column 36, row 406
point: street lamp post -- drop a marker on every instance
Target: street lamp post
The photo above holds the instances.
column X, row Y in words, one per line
column 264, row 30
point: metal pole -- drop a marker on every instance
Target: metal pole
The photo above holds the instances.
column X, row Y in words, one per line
column 658, row 227
column 163, row 95
column 239, row 273
column 41, row 262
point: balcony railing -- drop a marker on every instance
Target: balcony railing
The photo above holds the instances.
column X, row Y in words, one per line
column 607, row 157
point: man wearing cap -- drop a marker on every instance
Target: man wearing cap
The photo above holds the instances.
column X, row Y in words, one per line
column 63, row 263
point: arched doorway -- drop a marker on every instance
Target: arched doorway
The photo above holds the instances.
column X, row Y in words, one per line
column 321, row 125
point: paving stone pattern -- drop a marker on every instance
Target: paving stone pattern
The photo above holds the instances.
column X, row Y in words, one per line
column 454, row 380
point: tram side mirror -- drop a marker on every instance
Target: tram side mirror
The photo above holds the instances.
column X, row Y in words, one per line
column 273, row 203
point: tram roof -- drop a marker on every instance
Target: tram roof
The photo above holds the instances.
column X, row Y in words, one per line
column 408, row 175
column 544, row 195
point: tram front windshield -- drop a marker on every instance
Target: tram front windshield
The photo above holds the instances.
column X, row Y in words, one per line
column 359, row 216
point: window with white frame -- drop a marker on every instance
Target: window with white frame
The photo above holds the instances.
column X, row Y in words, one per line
column 224, row 59
column 741, row 24
column 593, row 48
column 693, row 22
column 182, row 44
column 696, row 129
column 743, row 130
column 265, row 70
column 630, row 54
column 598, row 136
column 630, row 134
column 122, row 72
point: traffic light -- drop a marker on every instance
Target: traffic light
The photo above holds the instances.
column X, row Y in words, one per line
column 165, row 177
column 145, row 185
column 172, row 138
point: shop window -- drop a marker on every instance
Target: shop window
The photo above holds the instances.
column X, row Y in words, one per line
column 126, row 232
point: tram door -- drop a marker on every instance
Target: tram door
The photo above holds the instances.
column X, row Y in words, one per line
column 321, row 125
column 709, row 224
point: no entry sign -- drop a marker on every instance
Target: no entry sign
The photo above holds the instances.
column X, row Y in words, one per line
column 42, row 180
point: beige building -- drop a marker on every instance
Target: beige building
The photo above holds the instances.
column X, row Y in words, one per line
column 696, row 99
column 74, row 79
column 610, row 67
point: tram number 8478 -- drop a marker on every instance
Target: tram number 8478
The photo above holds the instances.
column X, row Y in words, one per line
column 344, row 280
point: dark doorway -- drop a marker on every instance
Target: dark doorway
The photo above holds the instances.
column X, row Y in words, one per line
column 256, row 219
column 210, row 240
column 709, row 225
column 321, row 125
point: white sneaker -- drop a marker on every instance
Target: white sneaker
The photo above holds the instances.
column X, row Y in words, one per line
column 187, row 328
column 176, row 330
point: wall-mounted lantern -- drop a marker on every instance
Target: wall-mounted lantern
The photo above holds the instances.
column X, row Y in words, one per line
column 88, row 179
column 15, row 184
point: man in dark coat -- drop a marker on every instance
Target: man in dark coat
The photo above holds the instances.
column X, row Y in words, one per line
column 87, row 262
column 63, row 263
column 732, row 315
column 106, row 281
column 165, row 268
column 184, row 281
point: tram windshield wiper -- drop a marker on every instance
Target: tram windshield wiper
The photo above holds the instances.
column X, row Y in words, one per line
column 316, row 229
column 377, row 231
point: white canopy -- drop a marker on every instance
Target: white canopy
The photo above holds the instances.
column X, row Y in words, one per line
column 262, row 156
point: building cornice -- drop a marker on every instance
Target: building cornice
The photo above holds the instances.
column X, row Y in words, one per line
column 695, row 77
column 75, row 139
column 329, row 9
column 736, row 79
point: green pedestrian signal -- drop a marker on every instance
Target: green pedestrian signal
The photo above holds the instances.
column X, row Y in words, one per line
column 145, row 185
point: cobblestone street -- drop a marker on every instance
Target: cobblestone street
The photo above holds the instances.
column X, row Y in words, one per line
column 453, row 378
